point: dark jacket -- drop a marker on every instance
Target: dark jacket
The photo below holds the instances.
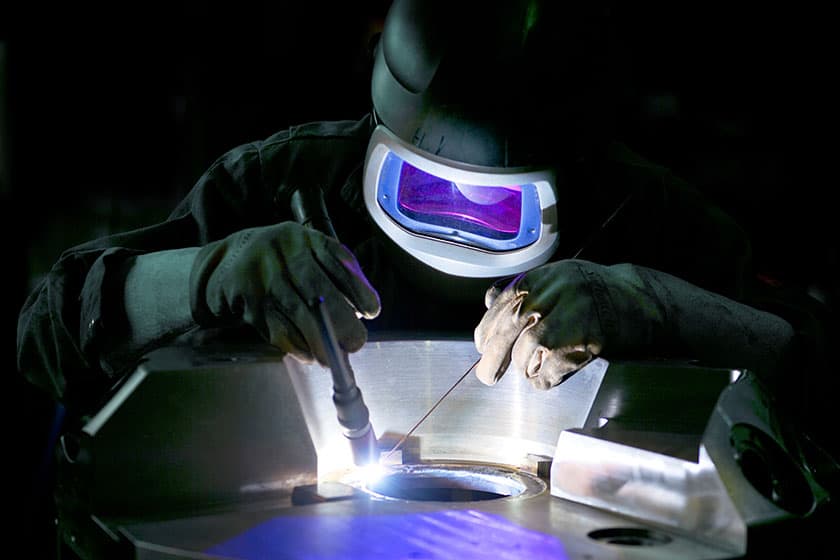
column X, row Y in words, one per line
column 613, row 207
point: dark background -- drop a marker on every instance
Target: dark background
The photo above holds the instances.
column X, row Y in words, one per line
column 109, row 113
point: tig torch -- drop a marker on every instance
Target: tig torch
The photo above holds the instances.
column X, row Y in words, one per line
column 352, row 412
column 309, row 210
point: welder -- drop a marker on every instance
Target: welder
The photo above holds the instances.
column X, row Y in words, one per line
column 484, row 193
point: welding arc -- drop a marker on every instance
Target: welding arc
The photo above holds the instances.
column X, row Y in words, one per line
column 434, row 406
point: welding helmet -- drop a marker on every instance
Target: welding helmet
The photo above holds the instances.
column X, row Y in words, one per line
column 470, row 125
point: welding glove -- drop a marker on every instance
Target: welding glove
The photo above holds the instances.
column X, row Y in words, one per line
column 269, row 277
column 266, row 277
column 553, row 320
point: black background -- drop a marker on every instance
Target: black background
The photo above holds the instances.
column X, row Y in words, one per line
column 110, row 112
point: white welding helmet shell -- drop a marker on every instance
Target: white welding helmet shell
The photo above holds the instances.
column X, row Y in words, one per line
column 464, row 220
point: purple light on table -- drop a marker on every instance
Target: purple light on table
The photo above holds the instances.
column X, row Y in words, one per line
column 440, row 535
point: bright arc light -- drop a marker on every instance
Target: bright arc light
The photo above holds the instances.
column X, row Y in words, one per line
column 371, row 473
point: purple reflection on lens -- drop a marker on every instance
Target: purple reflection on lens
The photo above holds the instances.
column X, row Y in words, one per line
column 471, row 207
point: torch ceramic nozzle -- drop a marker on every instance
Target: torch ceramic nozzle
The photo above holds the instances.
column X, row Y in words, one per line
column 365, row 447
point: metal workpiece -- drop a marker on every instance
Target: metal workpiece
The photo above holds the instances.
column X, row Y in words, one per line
column 190, row 429
column 504, row 424
column 641, row 452
column 539, row 527
column 242, row 457
column 707, row 455
column 773, row 469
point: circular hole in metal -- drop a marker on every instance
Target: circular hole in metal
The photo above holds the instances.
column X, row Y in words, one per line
column 454, row 483
column 770, row 469
column 630, row 536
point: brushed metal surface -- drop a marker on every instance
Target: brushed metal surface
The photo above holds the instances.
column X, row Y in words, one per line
column 402, row 379
column 641, row 456
column 365, row 529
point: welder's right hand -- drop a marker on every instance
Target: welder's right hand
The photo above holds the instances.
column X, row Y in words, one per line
column 269, row 277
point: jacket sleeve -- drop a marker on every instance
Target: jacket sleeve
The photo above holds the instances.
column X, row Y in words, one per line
column 76, row 308
column 66, row 317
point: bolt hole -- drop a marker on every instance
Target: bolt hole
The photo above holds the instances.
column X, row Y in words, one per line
column 630, row 536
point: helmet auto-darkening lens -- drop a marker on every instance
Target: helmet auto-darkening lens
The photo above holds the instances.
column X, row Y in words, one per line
column 491, row 211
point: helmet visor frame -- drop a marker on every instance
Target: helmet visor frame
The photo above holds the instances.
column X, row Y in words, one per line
column 463, row 219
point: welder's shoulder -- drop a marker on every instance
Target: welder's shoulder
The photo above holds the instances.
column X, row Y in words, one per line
column 323, row 151
column 620, row 154
column 679, row 197
column 312, row 140
column 651, row 175
column 701, row 239
column 337, row 132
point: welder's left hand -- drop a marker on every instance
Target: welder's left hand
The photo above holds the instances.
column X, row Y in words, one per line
column 553, row 320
